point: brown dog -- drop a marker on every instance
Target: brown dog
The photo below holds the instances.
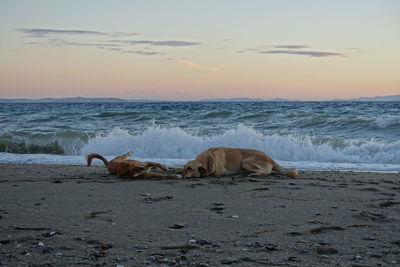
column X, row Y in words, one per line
column 219, row 161
column 129, row 168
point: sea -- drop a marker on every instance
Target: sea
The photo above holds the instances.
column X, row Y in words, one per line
column 361, row 136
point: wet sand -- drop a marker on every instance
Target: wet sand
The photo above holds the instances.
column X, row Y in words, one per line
column 54, row 215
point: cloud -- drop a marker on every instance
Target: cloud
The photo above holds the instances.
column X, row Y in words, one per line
column 291, row 50
column 38, row 33
column 82, row 38
column 46, row 32
column 304, row 53
column 191, row 64
column 142, row 53
column 157, row 43
column 291, row 46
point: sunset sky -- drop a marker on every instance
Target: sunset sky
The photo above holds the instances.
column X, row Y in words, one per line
column 190, row 50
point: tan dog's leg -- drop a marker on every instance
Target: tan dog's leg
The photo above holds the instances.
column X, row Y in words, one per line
column 251, row 165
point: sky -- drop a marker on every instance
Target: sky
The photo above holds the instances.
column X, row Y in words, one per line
column 191, row 50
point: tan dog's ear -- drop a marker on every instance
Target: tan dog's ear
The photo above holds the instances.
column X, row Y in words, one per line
column 203, row 171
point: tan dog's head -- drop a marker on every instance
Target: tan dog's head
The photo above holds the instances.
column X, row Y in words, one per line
column 194, row 169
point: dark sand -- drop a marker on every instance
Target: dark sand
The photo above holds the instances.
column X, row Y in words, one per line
column 79, row 216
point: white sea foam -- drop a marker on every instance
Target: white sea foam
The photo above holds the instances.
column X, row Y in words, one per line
column 174, row 146
column 157, row 142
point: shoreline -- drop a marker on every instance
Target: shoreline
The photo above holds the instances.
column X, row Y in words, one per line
column 68, row 215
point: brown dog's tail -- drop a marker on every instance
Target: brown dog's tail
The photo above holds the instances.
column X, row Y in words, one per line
column 90, row 157
column 290, row 172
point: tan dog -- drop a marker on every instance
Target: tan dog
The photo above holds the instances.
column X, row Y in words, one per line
column 219, row 161
column 129, row 168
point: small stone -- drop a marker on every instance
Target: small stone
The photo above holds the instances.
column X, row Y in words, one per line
column 58, row 254
column 229, row 261
column 120, row 265
column 326, row 250
column 177, row 226
column 235, row 216
column 294, row 259
column 41, row 244
column 397, row 242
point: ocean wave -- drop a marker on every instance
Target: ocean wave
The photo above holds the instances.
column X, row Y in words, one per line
column 387, row 121
column 174, row 142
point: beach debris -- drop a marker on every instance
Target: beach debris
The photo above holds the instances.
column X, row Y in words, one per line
column 235, row 216
column 177, row 226
column 324, row 229
column 47, row 250
column 217, row 207
column 254, row 245
column 388, row 204
column 184, row 246
column 361, row 225
column 19, row 228
column 372, row 216
column 271, row 247
column 294, row 234
column 50, row 234
column 5, row 241
column 397, row 242
column 229, row 261
column 260, row 189
column 193, row 185
column 147, row 198
column 317, row 222
column 58, row 254
column 325, row 250
column 253, row 180
column 95, row 214
column 293, row 258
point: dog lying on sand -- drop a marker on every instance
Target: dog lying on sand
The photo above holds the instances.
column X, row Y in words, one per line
column 220, row 161
column 129, row 168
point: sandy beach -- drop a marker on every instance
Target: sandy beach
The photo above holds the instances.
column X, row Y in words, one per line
column 54, row 215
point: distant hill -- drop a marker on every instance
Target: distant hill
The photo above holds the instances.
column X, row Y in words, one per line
column 237, row 99
column 64, row 100
column 378, row 98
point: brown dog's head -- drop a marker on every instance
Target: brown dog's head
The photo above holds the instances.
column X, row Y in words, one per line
column 194, row 169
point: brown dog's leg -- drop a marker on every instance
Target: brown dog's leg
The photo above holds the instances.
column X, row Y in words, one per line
column 157, row 165
column 123, row 156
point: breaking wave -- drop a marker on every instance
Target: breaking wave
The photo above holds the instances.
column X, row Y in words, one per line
column 174, row 142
